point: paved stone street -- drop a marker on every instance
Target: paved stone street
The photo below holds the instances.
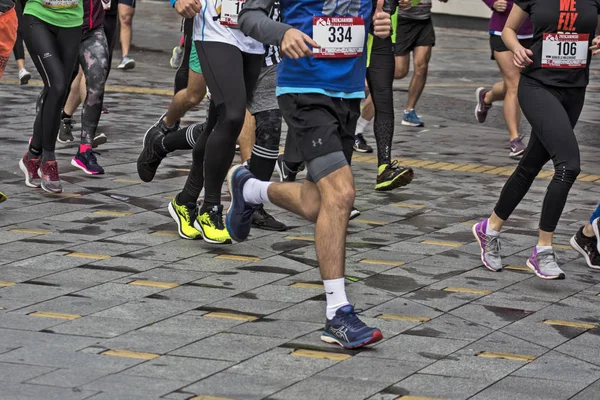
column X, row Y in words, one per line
column 101, row 300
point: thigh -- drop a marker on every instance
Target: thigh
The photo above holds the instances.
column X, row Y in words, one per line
column 351, row 113
column 126, row 8
column 421, row 56
column 223, row 69
column 196, row 84
column 252, row 66
column 110, row 30
column 264, row 97
column 573, row 102
column 69, row 43
column 407, row 34
column 510, row 72
column 42, row 45
column 426, row 34
column 93, row 58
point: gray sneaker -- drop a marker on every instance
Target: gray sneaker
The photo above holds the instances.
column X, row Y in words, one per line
column 545, row 264
column 99, row 140
column 489, row 245
column 517, row 148
column 65, row 133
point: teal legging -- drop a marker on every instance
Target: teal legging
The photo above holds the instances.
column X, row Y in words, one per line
column 596, row 214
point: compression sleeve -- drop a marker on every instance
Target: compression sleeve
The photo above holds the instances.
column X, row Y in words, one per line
column 254, row 21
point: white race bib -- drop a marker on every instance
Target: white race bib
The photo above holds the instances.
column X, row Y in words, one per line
column 339, row 37
column 229, row 12
column 565, row 50
column 61, row 4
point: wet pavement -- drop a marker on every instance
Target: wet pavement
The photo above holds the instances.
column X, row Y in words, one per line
column 99, row 298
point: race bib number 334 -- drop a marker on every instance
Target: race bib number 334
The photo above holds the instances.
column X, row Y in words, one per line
column 339, row 37
column 565, row 50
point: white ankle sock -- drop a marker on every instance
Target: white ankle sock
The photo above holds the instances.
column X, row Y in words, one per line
column 489, row 231
column 361, row 125
column 335, row 291
column 255, row 191
column 542, row 248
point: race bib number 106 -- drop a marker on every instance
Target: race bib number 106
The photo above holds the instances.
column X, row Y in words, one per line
column 229, row 12
column 339, row 37
column 565, row 50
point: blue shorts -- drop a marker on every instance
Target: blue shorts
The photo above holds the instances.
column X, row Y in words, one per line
column 130, row 3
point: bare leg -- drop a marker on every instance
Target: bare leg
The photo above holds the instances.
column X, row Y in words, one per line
column 247, row 137
column 368, row 111
column 126, row 18
column 497, row 93
column 186, row 99
column 75, row 95
column 422, row 55
column 588, row 230
column 20, row 64
column 402, row 66
column 512, row 110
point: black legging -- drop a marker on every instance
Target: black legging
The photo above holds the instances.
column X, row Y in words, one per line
column 231, row 76
column 380, row 77
column 266, row 145
column 552, row 113
column 181, row 77
column 54, row 52
column 110, row 31
column 19, row 49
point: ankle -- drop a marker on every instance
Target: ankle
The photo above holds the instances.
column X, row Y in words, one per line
column 84, row 147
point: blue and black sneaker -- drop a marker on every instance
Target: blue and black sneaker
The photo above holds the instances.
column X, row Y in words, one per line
column 347, row 330
column 239, row 215
column 410, row 118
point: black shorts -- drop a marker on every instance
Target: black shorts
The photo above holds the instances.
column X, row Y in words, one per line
column 411, row 33
column 130, row 3
column 320, row 124
column 497, row 44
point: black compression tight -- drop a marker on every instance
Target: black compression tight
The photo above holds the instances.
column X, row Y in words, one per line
column 110, row 31
column 181, row 76
column 54, row 52
column 19, row 49
column 231, row 76
column 266, row 145
column 184, row 138
column 552, row 113
column 380, row 77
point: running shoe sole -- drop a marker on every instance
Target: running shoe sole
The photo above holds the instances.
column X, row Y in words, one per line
column 477, row 96
column 198, row 226
column 128, row 65
column 354, row 214
column 174, row 215
column 516, row 155
column 539, row 274
column 153, row 126
column 401, row 180
column 581, row 251
column 25, row 79
column 47, row 189
column 65, row 142
column 81, row 166
column 474, row 230
column 406, row 123
column 99, row 140
column 376, row 337
column 230, row 189
column 359, row 150
column 27, row 181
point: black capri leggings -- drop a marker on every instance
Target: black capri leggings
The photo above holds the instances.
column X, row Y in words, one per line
column 54, row 52
column 181, row 77
column 19, row 49
column 380, row 78
column 110, row 31
column 552, row 113
column 231, row 76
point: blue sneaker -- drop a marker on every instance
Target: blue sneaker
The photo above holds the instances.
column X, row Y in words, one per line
column 347, row 330
column 410, row 118
column 239, row 214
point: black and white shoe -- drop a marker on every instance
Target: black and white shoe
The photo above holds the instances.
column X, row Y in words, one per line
column 596, row 228
column 354, row 213
column 587, row 247
column 360, row 144
column 284, row 172
column 261, row 219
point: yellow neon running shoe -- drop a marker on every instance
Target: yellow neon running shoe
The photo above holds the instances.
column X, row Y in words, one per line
column 185, row 216
column 210, row 223
column 2, row 197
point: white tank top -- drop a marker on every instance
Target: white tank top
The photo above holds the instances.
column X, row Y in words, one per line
column 208, row 28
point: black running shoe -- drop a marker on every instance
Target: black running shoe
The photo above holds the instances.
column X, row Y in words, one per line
column 65, row 133
column 360, row 144
column 151, row 155
column 354, row 213
column 285, row 173
column 87, row 162
column 392, row 176
column 587, row 247
column 261, row 219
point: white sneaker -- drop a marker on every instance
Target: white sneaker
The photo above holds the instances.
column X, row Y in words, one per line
column 24, row 76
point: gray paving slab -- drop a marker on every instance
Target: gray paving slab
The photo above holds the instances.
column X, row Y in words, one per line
column 560, row 367
column 237, row 386
column 12, row 391
column 179, row 368
column 434, row 386
column 122, row 384
column 321, row 388
column 530, row 389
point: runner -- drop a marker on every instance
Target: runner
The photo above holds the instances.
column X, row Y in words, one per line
column 126, row 13
column 93, row 59
column 414, row 33
column 19, row 49
column 506, row 89
column 52, row 36
column 231, row 63
column 320, row 101
column 554, row 77
column 9, row 24
column 585, row 241
column 380, row 78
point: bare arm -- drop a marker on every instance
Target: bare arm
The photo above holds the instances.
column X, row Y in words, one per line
column 509, row 36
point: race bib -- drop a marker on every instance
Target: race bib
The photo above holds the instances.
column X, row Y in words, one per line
column 565, row 50
column 339, row 37
column 229, row 12
column 60, row 4
column 106, row 4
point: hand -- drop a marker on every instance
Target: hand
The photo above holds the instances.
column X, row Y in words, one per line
column 188, row 8
column 382, row 22
column 500, row 5
column 521, row 57
column 595, row 46
column 294, row 44
column 404, row 4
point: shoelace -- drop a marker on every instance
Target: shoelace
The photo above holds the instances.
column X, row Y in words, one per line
column 547, row 257
column 216, row 217
column 51, row 170
column 351, row 319
column 493, row 244
column 394, row 165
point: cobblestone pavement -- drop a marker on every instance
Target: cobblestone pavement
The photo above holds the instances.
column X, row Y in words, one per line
column 100, row 299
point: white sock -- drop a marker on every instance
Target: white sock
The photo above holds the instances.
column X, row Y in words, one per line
column 255, row 191
column 542, row 248
column 335, row 291
column 361, row 125
column 489, row 231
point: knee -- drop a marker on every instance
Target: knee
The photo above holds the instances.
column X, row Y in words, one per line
column 126, row 19
column 58, row 89
column 233, row 117
column 421, row 68
column 400, row 72
column 567, row 172
column 342, row 197
column 194, row 97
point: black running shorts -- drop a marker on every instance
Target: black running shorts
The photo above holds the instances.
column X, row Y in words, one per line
column 320, row 124
column 497, row 44
column 411, row 33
